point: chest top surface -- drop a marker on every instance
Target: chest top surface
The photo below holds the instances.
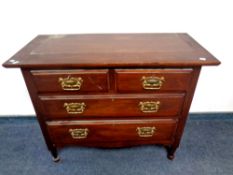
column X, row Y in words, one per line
column 112, row 50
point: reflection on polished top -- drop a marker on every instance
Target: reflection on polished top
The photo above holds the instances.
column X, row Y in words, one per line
column 99, row 50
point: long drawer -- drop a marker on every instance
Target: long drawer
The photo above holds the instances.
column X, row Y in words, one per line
column 82, row 107
column 75, row 132
column 76, row 80
column 152, row 80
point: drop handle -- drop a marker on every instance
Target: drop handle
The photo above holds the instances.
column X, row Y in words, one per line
column 75, row 108
column 79, row 133
column 149, row 106
column 70, row 83
column 152, row 82
column 146, row 131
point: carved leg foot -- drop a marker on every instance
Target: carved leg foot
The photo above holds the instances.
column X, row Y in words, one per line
column 171, row 152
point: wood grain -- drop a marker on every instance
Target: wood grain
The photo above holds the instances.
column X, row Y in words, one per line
column 105, row 131
column 119, row 106
column 93, row 80
column 130, row 80
column 112, row 50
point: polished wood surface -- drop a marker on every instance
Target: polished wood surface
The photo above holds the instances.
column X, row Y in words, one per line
column 112, row 90
column 111, row 131
column 93, row 80
column 112, row 105
column 130, row 80
column 112, row 50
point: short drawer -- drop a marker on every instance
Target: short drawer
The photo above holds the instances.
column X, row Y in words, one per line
column 78, row 81
column 75, row 132
column 82, row 107
column 152, row 80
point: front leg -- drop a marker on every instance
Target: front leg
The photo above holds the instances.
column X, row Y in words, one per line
column 54, row 153
column 171, row 152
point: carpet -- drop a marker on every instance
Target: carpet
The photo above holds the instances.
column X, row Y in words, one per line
column 206, row 148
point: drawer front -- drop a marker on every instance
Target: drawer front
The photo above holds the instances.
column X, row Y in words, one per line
column 72, row 132
column 152, row 80
column 77, row 81
column 82, row 107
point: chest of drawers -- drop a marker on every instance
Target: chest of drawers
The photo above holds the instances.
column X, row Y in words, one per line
column 112, row 90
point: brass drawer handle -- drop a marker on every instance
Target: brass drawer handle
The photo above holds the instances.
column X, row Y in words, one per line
column 149, row 106
column 71, row 83
column 80, row 133
column 146, row 131
column 152, row 82
column 75, row 108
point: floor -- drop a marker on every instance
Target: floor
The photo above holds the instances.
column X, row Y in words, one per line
column 206, row 148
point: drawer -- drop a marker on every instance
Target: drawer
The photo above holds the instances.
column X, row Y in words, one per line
column 152, row 80
column 76, row 132
column 84, row 106
column 78, row 81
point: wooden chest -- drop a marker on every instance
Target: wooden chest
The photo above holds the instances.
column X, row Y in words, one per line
column 112, row 90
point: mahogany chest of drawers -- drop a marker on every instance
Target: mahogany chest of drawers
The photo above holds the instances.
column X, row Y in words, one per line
column 112, row 90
